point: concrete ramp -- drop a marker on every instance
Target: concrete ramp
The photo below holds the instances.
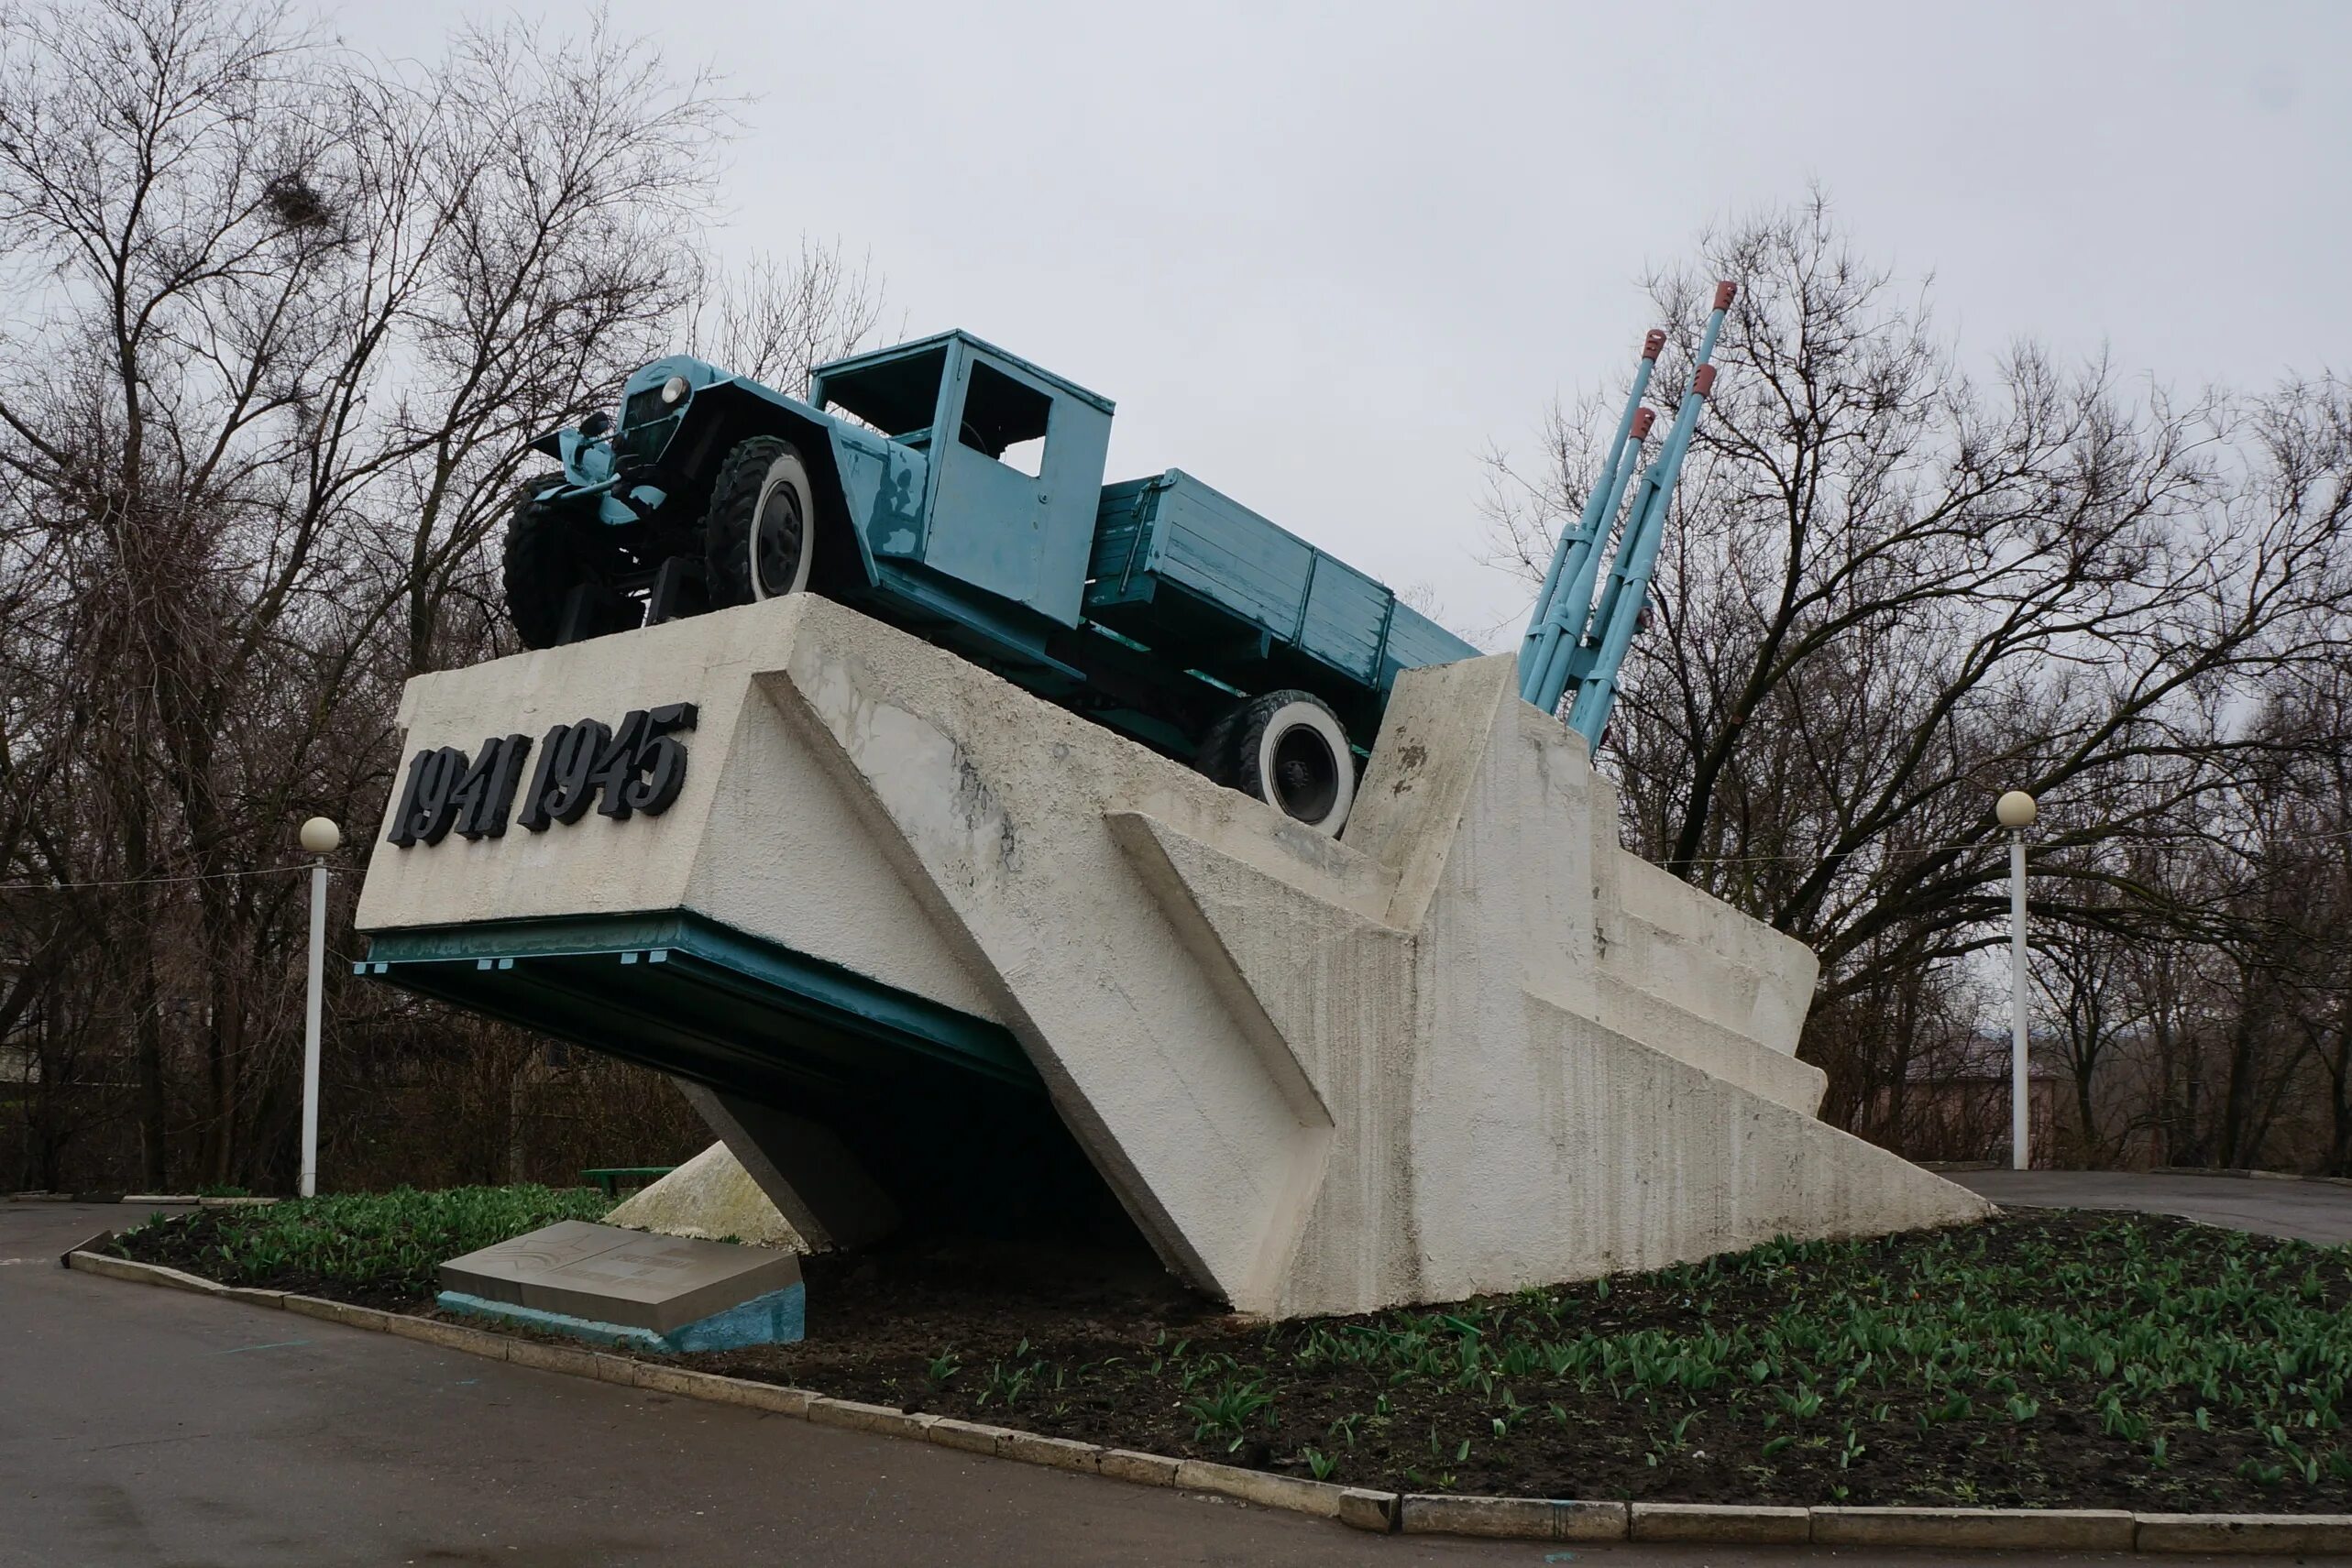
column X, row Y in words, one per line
column 932, row 947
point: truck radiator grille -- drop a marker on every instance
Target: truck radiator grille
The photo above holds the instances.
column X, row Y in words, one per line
column 643, row 408
column 646, row 425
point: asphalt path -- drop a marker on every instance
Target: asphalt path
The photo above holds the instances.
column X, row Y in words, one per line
column 2302, row 1211
column 149, row 1427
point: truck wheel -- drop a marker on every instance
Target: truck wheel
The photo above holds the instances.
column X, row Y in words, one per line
column 1288, row 749
column 759, row 537
column 542, row 564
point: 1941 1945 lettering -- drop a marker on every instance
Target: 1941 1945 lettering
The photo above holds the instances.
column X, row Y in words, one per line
column 638, row 767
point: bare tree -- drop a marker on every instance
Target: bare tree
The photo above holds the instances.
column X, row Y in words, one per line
column 546, row 196
column 780, row 317
column 2292, row 894
column 1890, row 589
column 283, row 318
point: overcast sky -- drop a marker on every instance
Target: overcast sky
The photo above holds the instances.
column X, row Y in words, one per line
column 1322, row 257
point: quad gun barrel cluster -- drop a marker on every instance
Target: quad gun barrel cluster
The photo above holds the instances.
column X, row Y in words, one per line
column 1576, row 647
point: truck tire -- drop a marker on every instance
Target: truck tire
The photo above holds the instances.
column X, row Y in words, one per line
column 1288, row 749
column 543, row 564
column 759, row 538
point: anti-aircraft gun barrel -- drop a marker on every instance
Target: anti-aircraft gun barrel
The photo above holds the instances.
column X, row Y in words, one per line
column 1574, row 605
column 1599, row 657
column 1568, row 586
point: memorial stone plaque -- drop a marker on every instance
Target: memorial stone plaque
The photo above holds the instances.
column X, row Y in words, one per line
column 606, row 1275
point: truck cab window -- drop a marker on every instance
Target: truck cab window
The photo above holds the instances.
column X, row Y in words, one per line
column 1005, row 419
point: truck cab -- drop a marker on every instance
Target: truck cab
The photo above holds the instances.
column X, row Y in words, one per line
column 1014, row 465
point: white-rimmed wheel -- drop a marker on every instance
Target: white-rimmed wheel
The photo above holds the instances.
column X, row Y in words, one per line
column 1288, row 749
column 759, row 537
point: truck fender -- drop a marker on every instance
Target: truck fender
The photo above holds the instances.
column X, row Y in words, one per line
column 746, row 409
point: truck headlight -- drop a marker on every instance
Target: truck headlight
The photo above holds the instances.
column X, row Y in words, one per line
column 675, row 389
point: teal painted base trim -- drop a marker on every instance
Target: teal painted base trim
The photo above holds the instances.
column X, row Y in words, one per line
column 666, row 986
column 780, row 1317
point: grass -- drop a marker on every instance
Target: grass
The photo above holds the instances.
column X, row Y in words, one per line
column 385, row 1243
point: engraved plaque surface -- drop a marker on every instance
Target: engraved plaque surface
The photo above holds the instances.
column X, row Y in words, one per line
column 608, row 1274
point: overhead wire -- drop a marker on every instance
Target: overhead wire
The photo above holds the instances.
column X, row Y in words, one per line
column 148, row 881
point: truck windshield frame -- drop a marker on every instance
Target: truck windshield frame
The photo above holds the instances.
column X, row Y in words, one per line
column 898, row 397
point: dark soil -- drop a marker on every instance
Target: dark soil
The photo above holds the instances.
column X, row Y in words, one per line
column 1107, row 1349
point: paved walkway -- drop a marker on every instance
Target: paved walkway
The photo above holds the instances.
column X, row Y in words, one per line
column 140, row 1426
column 2304, row 1211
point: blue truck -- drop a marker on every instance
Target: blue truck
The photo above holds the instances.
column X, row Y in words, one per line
column 956, row 492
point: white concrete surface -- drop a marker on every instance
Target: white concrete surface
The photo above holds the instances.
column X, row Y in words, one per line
column 1472, row 1045
column 710, row 1198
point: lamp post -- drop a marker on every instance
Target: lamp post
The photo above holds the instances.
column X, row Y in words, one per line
column 2015, row 810
column 319, row 837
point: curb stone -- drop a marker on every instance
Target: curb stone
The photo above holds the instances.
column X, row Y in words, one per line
column 1361, row 1508
column 1513, row 1519
column 159, row 1200
column 372, row 1319
column 1060, row 1453
column 252, row 1297
column 2282, row 1533
column 858, row 1416
column 1321, row 1498
column 141, row 1273
column 684, row 1382
column 65, row 1258
column 1143, row 1469
column 457, row 1337
column 2238, row 1175
column 772, row 1397
column 2080, row 1530
column 1722, row 1524
column 538, row 1356
column 968, row 1437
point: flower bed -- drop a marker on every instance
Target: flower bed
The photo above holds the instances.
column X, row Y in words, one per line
column 2043, row 1359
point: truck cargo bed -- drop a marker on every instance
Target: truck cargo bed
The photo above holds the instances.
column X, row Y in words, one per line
column 1195, row 575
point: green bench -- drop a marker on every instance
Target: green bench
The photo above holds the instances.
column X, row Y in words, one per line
column 610, row 1177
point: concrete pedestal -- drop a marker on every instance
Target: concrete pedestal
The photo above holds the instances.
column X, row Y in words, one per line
column 619, row 1287
column 971, row 940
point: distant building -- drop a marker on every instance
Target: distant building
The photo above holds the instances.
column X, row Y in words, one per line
column 1953, row 1104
